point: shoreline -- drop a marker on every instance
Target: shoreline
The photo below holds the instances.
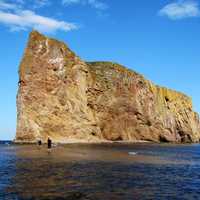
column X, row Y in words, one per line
column 76, row 141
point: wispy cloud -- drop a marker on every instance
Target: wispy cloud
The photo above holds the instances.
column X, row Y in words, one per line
column 69, row 2
column 40, row 3
column 98, row 4
column 34, row 3
column 28, row 19
column 16, row 18
column 7, row 6
column 180, row 9
column 93, row 3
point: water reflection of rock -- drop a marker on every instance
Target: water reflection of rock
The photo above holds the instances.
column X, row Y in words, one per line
column 90, row 172
column 68, row 172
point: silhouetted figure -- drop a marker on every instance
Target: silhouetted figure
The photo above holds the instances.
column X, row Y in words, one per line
column 39, row 142
column 49, row 143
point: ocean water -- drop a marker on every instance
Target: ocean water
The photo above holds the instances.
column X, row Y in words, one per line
column 100, row 172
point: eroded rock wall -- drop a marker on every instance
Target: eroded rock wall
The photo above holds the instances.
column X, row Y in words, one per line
column 64, row 98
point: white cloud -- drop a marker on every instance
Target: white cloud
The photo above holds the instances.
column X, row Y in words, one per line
column 180, row 10
column 41, row 3
column 93, row 3
column 7, row 6
column 97, row 4
column 33, row 3
column 18, row 19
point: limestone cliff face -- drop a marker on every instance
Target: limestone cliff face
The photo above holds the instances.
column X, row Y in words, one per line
column 64, row 98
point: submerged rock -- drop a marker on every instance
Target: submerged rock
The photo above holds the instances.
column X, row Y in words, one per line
column 62, row 97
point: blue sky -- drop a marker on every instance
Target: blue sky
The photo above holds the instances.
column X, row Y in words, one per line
column 158, row 38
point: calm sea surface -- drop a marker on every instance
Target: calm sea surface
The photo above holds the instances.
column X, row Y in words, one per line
column 100, row 172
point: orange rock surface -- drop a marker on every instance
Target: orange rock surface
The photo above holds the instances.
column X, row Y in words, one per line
column 62, row 97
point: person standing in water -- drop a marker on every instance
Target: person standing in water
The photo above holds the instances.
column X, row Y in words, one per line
column 39, row 144
column 49, row 143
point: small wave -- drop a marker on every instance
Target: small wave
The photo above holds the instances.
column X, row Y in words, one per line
column 132, row 153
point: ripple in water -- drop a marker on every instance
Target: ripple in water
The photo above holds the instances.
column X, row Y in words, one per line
column 100, row 172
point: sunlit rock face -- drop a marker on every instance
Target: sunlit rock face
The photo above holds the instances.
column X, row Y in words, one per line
column 62, row 97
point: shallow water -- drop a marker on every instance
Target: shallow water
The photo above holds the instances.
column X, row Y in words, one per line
column 100, row 172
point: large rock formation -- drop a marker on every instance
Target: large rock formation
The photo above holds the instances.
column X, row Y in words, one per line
column 67, row 99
